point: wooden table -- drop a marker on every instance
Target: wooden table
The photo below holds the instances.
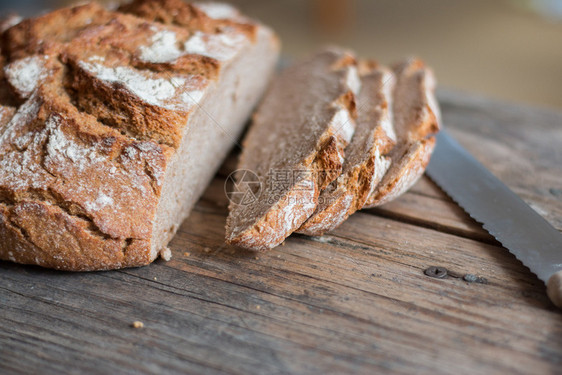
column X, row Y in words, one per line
column 353, row 301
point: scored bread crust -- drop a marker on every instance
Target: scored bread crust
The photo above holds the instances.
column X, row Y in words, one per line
column 302, row 127
column 416, row 121
column 365, row 161
column 99, row 111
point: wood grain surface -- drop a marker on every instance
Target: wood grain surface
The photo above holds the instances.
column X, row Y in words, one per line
column 355, row 301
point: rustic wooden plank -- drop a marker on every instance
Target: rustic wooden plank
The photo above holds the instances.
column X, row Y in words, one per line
column 214, row 204
column 519, row 144
column 353, row 301
column 437, row 212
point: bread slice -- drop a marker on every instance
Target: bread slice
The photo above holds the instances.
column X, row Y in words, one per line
column 416, row 120
column 121, row 122
column 365, row 161
column 296, row 147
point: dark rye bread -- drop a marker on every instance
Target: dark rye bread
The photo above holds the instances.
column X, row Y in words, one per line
column 119, row 123
column 416, row 121
column 296, row 147
column 365, row 161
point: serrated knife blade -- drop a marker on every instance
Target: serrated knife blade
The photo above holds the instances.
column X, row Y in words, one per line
column 526, row 234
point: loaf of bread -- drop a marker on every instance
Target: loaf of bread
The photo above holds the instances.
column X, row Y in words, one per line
column 112, row 123
column 394, row 138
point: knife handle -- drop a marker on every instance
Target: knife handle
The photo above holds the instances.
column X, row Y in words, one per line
column 554, row 288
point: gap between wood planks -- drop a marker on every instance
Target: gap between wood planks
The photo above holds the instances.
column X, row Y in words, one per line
column 387, row 214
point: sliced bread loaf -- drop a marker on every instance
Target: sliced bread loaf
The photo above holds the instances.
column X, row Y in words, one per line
column 365, row 161
column 122, row 119
column 296, row 147
column 397, row 119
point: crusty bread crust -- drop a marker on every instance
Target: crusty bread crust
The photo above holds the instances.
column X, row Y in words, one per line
column 388, row 169
column 293, row 109
column 104, row 100
column 411, row 162
column 417, row 120
column 365, row 162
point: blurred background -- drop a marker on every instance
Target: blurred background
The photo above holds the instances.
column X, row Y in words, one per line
column 508, row 49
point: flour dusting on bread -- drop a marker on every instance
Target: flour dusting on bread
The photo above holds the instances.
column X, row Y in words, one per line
column 222, row 46
column 218, row 11
column 25, row 74
column 163, row 47
column 175, row 93
column 59, row 146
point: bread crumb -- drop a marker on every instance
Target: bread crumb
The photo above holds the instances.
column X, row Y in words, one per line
column 166, row 254
column 155, row 279
column 258, row 307
column 187, row 254
column 207, row 250
column 137, row 324
column 323, row 239
column 256, row 258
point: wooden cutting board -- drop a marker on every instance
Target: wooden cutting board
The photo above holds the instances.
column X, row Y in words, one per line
column 353, row 301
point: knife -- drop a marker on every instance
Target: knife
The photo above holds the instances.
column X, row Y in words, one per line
column 527, row 235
